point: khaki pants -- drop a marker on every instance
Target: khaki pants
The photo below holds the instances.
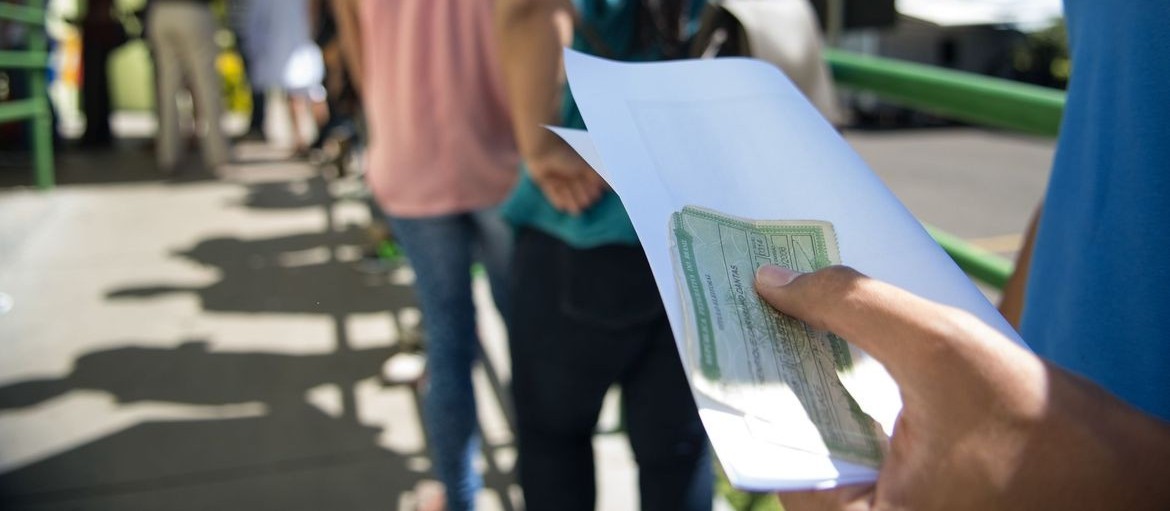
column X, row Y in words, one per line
column 182, row 38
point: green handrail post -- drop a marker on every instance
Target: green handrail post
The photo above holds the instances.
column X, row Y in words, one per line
column 42, row 125
column 977, row 99
column 36, row 108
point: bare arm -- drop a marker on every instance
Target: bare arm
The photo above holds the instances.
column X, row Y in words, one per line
column 531, row 34
column 1011, row 305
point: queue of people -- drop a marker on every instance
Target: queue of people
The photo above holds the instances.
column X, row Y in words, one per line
column 455, row 94
column 281, row 44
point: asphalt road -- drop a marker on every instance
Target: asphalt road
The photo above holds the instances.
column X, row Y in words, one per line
column 980, row 185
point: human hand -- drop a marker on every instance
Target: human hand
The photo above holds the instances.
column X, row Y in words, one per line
column 569, row 183
column 985, row 424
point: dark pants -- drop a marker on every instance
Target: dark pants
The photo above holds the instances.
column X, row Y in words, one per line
column 95, row 95
column 585, row 320
column 259, row 96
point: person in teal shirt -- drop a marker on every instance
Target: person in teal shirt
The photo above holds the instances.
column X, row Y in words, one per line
column 586, row 313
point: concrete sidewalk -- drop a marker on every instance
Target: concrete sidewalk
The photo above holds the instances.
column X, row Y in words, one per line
column 206, row 343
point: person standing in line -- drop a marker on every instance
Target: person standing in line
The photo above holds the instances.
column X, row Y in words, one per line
column 237, row 15
column 441, row 159
column 182, row 38
column 586, row 312
column 283, row 57
column 101, row 32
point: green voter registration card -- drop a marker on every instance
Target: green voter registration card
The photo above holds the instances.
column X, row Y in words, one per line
column 752, row 358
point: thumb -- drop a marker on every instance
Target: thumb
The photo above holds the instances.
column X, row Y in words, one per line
column 900, row 330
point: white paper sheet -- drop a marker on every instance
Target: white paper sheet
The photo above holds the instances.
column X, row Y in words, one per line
column 736, row 136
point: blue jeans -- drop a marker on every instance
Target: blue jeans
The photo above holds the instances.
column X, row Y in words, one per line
column 441, row 250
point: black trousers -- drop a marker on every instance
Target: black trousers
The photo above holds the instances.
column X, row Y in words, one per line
column 95, row 95
column 584, row 320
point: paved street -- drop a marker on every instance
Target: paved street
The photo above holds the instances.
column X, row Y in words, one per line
column 982, row 186
column 199, row 342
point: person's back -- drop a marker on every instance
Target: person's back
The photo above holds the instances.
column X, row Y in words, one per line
column 1098, row 292
column 586, row 312
column 434, row 101
column 441, row 158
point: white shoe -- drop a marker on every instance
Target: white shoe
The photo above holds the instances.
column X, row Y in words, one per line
column 406, row 367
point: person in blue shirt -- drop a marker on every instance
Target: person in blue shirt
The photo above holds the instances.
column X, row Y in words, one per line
column 586, row 313
column 1097, row 295
column 985, row 423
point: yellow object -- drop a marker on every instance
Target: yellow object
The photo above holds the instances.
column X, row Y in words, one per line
column 237, row 95
column 131, row 74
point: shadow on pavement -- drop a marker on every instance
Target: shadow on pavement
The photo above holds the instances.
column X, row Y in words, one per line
column 288, row 455
column 129, row 160
column 291, row 456
column 281, row 195
column 295, row 274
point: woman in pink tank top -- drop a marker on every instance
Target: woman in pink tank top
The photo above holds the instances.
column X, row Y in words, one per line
column 441, row 158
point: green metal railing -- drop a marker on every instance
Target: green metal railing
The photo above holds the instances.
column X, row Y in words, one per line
column 35, row 108
column 958, row 95
column 980, row 264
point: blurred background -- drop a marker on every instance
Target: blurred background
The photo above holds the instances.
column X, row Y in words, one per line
column 196, row 338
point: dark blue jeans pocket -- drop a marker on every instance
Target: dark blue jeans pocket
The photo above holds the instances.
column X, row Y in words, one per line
column 608, row 287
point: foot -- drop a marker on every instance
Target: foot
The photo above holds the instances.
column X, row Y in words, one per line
column 371, row 264
column 301, row 153
column 404, row 368
column 253, row 135
column 431, row 496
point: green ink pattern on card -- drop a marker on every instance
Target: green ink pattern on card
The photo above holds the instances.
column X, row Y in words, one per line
column 749, row 356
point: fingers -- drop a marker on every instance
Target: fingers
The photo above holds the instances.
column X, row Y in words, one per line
column 594, row 180
column 581, row 182
column 588, row 188
column 582, row 195
column 899, row 329
column 559, row 195
column 570, row 196
column 571, row 188
column 568, row 182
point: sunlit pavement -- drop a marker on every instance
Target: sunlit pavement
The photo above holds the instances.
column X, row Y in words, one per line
column 198, row 341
